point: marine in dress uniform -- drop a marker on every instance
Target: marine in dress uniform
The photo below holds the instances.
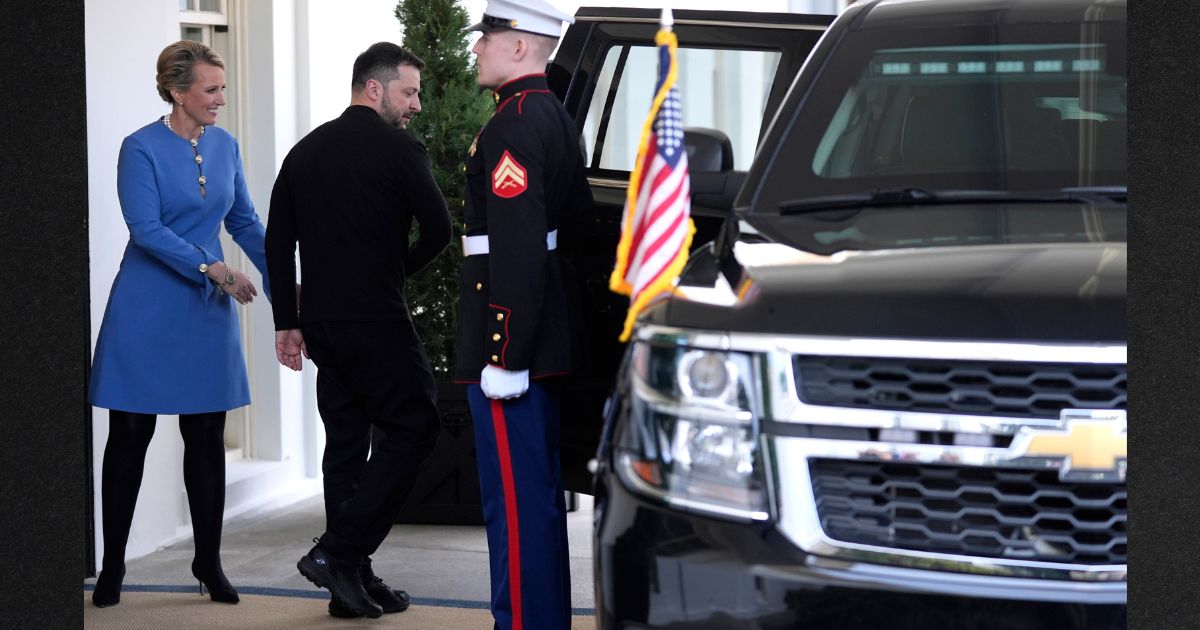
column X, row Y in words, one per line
column 525, row 179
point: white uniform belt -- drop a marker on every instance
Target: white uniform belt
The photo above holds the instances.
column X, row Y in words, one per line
column 478, row 244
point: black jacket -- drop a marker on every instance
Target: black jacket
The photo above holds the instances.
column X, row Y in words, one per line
column 525, row 177
column 348, row 193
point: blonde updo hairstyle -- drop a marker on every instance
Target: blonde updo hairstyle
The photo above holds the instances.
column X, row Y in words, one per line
column 175, row 64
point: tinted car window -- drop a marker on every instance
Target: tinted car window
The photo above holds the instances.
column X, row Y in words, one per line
column 969, row 109
column 1037, row 114
column 720, row 89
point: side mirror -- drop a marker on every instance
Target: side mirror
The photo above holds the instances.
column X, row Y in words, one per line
column 708, row 150
column 714, row 182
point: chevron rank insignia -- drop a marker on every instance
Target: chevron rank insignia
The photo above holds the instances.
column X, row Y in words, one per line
column 508, row 179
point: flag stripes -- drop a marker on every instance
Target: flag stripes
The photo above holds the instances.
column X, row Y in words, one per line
column 657, row 230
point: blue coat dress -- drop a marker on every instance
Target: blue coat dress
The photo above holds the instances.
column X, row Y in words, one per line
column 169, row 342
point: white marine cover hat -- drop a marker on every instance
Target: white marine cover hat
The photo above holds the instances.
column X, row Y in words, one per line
column 532, row 16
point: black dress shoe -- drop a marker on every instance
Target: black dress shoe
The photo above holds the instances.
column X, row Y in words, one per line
column 219, row 588
column 341, row 578
column 108, row 587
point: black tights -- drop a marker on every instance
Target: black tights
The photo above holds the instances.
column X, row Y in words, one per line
column 203, row 476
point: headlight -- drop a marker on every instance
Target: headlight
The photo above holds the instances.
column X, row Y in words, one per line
column 692, row 439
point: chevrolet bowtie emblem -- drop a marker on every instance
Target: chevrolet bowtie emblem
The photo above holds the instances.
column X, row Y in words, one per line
column 1090, row 445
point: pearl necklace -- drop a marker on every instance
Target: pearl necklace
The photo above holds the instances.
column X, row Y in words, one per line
column 195, row 151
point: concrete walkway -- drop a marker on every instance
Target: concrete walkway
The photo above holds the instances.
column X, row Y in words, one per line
column 443, row 563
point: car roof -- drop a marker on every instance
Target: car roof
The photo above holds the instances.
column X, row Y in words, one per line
column 631, row 14
column 899, row 13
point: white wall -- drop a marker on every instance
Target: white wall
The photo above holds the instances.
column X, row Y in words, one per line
column 338, row 32
column 122, row 40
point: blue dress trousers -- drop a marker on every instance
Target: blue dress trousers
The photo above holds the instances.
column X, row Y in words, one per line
column 524, row 510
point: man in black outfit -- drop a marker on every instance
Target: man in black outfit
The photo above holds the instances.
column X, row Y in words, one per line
column 348, row 193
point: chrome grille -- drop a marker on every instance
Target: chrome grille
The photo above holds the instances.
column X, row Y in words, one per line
column 971, row 511
column 990, row 388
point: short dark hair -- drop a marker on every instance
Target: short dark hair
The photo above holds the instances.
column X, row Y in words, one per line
column 380, row 62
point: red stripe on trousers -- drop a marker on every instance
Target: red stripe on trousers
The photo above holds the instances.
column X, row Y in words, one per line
column 510, row 512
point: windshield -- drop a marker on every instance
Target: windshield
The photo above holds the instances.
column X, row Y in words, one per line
column 1006, row 109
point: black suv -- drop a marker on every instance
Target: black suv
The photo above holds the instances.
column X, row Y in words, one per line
column 891, row 390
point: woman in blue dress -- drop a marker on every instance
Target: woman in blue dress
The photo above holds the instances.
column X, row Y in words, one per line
column 169, row 342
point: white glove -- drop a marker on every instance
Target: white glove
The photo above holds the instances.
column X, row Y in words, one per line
column 501, row 384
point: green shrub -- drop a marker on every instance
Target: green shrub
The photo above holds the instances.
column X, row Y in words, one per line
column 454, row 110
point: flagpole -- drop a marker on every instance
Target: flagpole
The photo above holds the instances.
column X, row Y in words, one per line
column 644, row 284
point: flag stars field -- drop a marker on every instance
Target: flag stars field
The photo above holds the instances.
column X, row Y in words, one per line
column 657, row 229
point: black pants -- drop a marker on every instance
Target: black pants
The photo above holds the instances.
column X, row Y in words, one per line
column 203, row 476
column 370, row 373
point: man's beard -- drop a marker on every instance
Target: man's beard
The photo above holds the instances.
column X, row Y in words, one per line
column 391, row 115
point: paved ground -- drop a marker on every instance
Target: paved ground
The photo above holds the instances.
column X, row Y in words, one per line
column 187, row 611
column 435, row 562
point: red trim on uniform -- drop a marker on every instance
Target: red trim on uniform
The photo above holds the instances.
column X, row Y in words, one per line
column 522, row 94
column 510, row 512
column 523, row 76
column 504, row 348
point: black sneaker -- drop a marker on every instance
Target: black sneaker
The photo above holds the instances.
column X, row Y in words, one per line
column 391, row 600
column 340, row 609
column 342, row 580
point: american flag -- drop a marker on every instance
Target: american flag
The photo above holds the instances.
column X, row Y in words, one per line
column 657, row 230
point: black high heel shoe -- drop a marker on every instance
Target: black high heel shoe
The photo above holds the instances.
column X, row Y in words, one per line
column 108, row 587
column 219, row 588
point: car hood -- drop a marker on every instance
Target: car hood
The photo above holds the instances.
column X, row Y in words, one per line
column 1044, row 293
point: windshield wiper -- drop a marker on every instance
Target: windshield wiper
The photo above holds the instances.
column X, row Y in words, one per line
column 921, row 197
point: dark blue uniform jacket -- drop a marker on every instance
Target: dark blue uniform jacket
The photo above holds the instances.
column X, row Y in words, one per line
column 525, row 178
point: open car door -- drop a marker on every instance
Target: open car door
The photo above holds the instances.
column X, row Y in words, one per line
column 734, row 68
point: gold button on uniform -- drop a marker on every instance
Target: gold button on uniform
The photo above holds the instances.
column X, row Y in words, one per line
column 199, row 158
column 499, row 317
column 496, row 337
column 203, row 179
column 495, row 359
column 478, row 286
